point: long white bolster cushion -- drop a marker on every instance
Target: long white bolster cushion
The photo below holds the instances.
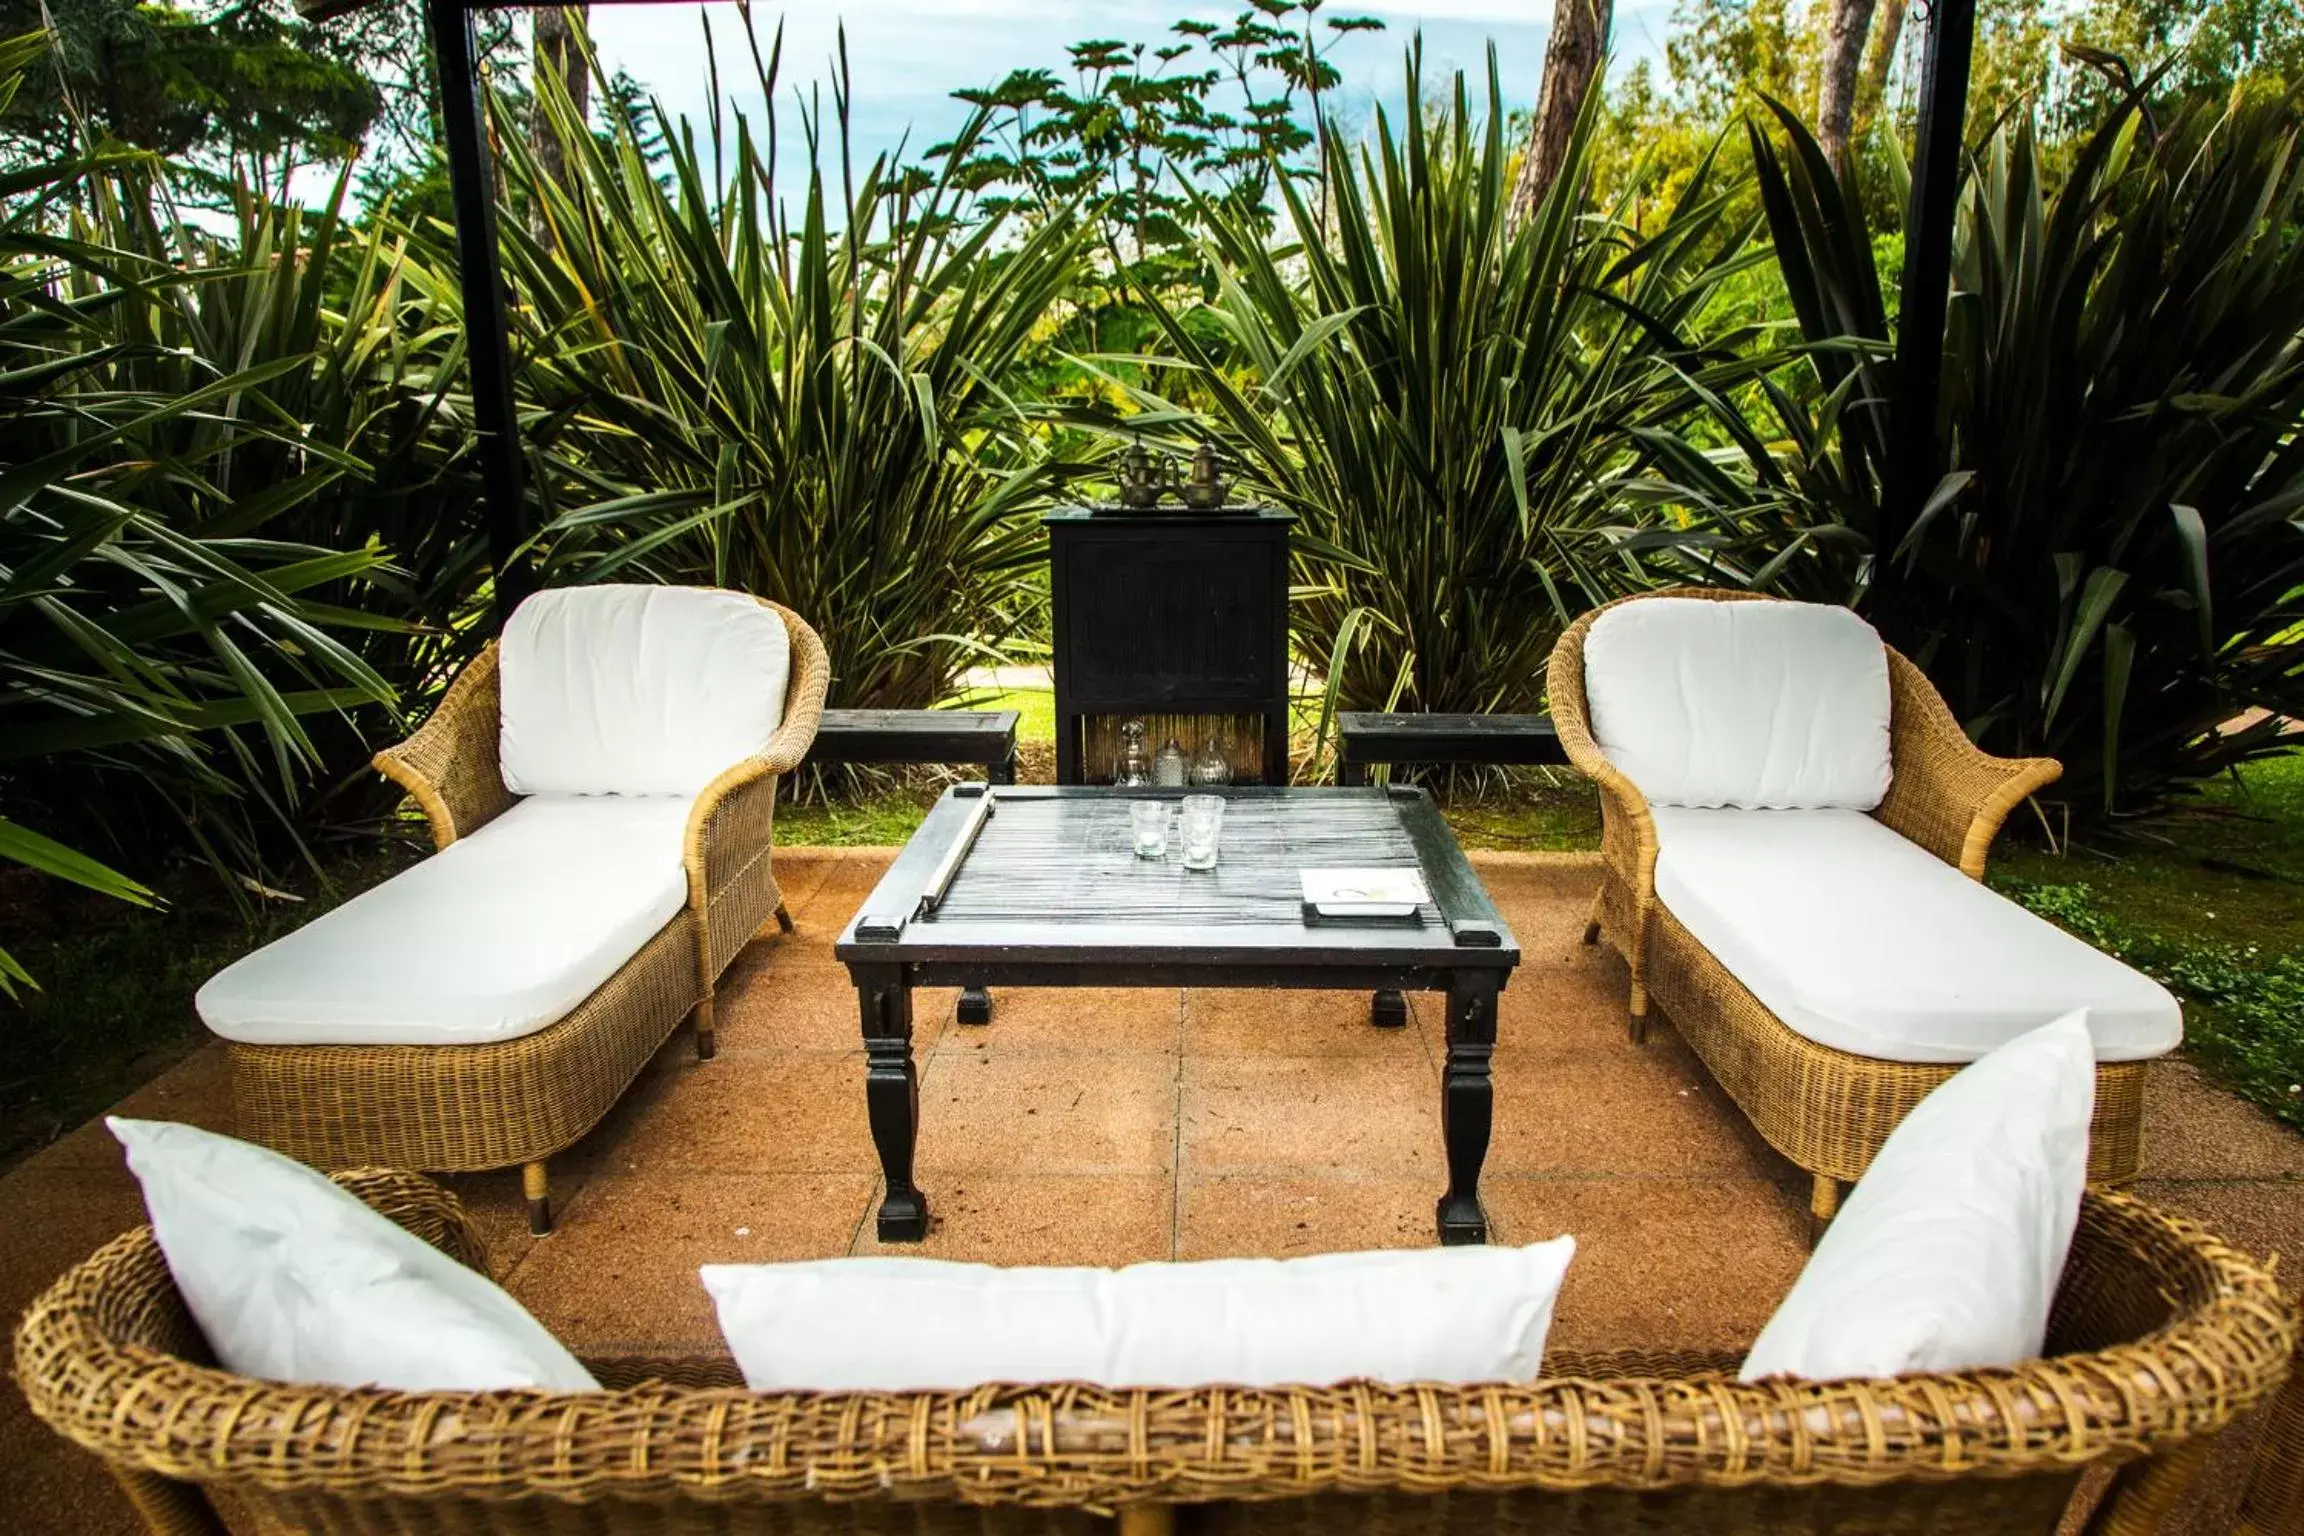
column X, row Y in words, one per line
column 1862, row 940
column 637, row 690
column 1751, row 704
column 496, row 936
column 900, row 1324
column 293, row 1279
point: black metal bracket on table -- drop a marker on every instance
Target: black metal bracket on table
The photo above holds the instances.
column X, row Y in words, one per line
column 1364, row 741
column 896, row 944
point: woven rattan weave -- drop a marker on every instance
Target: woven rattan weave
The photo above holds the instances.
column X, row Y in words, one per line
column 2161, row 1336
column 459, row 1107
column 1826, row 1110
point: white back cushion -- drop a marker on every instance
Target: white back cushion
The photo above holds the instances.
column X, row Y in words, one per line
column 893, row 1325
column 1748, row 704
column 1947, row 1254
column 292, row 1279
column 637, row 690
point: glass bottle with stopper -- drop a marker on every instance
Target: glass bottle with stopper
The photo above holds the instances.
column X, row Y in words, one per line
column 1210, row 767
column 1168, row 769
column 1132, row 769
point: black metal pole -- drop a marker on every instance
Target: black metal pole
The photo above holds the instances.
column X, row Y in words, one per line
column 487, row 334
column 1916, row 461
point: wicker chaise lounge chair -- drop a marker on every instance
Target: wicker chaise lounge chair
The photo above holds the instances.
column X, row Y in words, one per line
column 2161, row 1337
column 498, row 1098
column 1828, row 1109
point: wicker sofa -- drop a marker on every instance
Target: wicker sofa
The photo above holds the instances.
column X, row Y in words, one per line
column 1825, row 1109
column 2161, row 1337
column 516, row 1101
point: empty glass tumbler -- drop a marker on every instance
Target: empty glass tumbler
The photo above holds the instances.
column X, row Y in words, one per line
column 1203, row 827
column 1148, row 826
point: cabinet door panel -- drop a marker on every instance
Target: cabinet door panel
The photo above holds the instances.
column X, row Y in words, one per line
column 1147, row 622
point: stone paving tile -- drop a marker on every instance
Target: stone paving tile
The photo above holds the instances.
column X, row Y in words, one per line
column 2193, row 1129
column 987, row 1109
column 1252, row 1022
column 1664, row 1116
column 744, row 1112
column 618, row 1276
column 1040, row 1218
column 1333, row 1115
column 1653, row 1266
column 1259, row 1216
column 1123, row 1019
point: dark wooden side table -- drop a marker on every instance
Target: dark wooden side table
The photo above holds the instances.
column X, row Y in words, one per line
column 1040, row 887
column 1169, row 613
column 1364, row 740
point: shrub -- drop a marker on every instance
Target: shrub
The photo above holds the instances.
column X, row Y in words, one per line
column 2110, row 572
column 1453, row 403
column 815, row 413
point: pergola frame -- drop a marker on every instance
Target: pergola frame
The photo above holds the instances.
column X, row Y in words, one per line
column 1916, row 454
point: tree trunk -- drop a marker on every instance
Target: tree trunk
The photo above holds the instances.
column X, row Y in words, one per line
column 555, row 52
column 1843, row 62
column 1885, row 38
column 1571, row 64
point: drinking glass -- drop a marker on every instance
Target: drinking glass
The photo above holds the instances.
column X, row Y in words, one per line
column 1148, row 824
column 1203, row 822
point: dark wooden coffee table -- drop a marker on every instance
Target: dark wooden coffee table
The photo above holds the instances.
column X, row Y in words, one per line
column 1040, row 887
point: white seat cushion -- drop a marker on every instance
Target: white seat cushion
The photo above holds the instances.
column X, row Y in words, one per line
column 293, row 1279
column 901, row 1324
column 1865, row 942
column 634, row 690
column 1746, row 704
column 496, row 936
column 1947, row 1255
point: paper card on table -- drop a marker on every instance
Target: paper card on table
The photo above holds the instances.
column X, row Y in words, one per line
column 1364, row 892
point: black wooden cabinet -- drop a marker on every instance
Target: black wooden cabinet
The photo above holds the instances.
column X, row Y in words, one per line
column 1169, row 613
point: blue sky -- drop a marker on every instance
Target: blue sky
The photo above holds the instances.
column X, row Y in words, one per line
column 907, row 56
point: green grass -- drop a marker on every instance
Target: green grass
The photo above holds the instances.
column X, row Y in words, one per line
column 1035, row 709
column 2210, row 900
column 875, row 818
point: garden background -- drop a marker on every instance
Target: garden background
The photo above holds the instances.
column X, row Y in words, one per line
column 1501, row 369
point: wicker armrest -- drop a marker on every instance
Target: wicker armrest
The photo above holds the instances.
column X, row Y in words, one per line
column 1948, row 795
column 1628, row 831
column 449, row 767
column 426, row 1209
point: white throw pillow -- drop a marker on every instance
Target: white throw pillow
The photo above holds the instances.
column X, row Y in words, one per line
column 1758, row 705
column 637, row 690
column 895, row 1324
column 292, row 1279
column 1947, row 1254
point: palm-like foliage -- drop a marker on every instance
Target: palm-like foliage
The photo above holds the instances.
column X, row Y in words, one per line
column 1452, row 404
column 183, row 415
column 812, row 413
column 2111, row 572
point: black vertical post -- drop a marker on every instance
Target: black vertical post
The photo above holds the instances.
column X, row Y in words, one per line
column 487, row 335
column 1916, row 463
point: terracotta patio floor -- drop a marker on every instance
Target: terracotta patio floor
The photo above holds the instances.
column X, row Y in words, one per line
column 1107, row 1127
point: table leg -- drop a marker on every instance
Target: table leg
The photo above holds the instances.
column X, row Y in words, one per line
column 1467, row 1106
column 892, row 1097
column 1388, row 1010
column 975, row 1006
column 1350, row 775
